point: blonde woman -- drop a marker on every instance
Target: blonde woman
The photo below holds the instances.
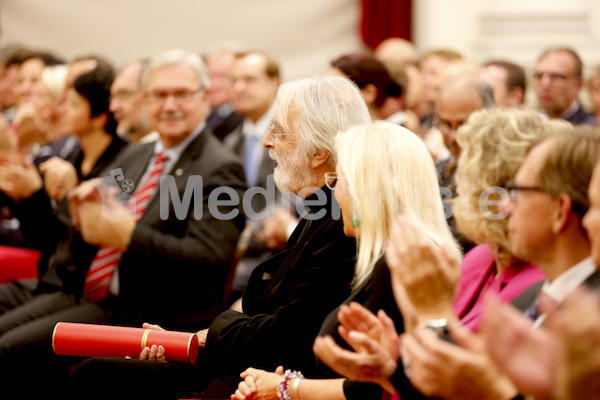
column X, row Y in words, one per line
column 383, row 170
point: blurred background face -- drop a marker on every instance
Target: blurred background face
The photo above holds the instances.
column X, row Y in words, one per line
column 496, row 77
column 555, row 83
column 591, row 220
column 30, row 79
column 219, row 70
column 454, row 107
column 430, row 69
column 8, row 86
column 127, row 101
column 594, row 90
column 75, row 114
column 253, row 90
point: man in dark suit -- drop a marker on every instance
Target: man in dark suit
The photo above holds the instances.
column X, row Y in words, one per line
column 558, row 78
column 222, row 119
column 289, row 295
column 170, row 255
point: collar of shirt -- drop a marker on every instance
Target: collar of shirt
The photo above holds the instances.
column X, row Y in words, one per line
column 566, row 282
column 261, row 127
column 569, row 112
column 173, row 153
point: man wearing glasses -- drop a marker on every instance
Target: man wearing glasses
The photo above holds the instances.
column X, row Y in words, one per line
column 456, row 101
column 548, row 201
column 557, row 79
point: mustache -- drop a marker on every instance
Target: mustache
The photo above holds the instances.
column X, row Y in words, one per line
column 273, row 155
column 169, row 115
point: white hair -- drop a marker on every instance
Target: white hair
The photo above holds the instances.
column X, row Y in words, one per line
column 177, row 56
column 325, row 105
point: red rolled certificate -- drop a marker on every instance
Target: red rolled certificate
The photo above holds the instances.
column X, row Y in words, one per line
column 89, row 340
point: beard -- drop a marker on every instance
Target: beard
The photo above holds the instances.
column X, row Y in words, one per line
column 292, row 174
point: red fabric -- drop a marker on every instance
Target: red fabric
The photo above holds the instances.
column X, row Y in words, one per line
column 18, row 263
column 382, row 19
column 106, row 260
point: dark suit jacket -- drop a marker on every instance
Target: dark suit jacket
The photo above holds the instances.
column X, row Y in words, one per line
column 286, row 300
column 526, row 299
column 174, row 270
column 582, row 117
column 223, row 120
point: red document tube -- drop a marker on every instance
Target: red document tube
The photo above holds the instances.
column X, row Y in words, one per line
column 90, row 340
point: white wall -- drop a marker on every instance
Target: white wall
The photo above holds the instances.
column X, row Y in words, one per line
column 303, row 34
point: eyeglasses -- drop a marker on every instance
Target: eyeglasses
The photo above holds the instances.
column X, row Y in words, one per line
column 179, row 96
column 446, row 126
column 331, row 180
column 513, row 188
column 275, row 131
column 555, row 79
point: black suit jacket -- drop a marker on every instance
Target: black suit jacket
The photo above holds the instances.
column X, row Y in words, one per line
column 528, row 296
column 582, row 117
column 286, row 300
column 174, row 270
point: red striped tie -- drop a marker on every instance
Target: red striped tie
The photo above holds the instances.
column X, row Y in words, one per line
column 103, row 265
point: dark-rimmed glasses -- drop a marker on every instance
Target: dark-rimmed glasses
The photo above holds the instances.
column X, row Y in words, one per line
column 180, row 96
column 513, row 188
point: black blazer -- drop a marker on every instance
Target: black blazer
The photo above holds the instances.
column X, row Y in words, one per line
column 174, row 270
column 286, row 300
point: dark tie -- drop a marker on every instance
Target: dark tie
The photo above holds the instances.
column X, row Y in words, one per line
column 106, row 260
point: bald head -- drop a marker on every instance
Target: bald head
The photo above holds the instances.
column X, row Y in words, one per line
column 456, row 101
column 397, row 49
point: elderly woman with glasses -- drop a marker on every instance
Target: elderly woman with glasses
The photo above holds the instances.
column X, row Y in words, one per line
column 383, row 170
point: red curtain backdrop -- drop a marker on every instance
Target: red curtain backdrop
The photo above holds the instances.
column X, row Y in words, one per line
column 382, row 19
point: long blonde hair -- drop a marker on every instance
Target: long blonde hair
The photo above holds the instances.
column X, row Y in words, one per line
column 390, row 172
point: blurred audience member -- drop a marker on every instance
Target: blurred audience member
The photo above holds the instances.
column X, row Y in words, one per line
column 558, row 78
column 128, row 106
column 457, row 100
column 222, row 118
column 508, row 81
column 372, row 78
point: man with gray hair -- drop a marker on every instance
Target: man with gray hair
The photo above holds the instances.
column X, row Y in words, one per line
column 289, row 295
column 147, row 251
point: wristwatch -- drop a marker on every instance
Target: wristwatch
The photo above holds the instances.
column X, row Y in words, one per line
column 439, row 327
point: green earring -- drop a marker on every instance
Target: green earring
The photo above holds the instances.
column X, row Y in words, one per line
column 355, row 221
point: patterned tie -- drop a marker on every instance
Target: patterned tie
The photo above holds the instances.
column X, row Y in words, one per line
column 106, row 260
column 250, row 164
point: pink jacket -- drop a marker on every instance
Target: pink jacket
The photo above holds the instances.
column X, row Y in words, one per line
column 477, row 277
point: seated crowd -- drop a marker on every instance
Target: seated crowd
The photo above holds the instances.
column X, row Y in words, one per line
column 394, row 227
